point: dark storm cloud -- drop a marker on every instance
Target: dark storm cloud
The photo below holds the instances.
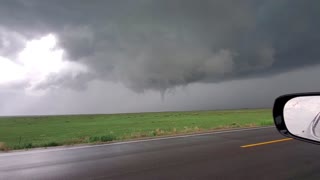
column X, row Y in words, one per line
column 150, row 44
column 10, row 42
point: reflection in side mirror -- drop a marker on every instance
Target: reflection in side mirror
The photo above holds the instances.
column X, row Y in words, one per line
column 298, row 116
column 302, row 116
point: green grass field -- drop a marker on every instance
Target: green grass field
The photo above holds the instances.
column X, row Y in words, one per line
column 44, row 131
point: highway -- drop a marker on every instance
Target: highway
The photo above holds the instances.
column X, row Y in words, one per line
column 241, row 154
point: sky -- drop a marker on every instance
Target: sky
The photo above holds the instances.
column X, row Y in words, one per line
column 115, row 56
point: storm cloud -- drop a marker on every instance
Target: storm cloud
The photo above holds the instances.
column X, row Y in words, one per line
column 149, row 44
column 117, row 55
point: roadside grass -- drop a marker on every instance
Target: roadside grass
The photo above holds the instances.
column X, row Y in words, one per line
column 46, row 131
column 3, row 147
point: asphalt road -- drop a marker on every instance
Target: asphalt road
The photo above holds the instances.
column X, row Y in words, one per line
column 209, row 156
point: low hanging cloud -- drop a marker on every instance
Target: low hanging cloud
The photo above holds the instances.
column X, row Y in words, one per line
column 156, row 45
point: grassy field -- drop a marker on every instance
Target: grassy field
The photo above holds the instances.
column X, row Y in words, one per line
column 44, row 131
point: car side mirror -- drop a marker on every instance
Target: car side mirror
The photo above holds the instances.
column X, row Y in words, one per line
column 298, row 116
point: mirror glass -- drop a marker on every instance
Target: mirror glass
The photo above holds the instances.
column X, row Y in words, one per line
column 302, row 116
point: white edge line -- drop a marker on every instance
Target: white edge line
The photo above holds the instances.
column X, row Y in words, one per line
column 127, row 142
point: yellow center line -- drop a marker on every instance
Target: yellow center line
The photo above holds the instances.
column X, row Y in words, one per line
column 267, row 142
